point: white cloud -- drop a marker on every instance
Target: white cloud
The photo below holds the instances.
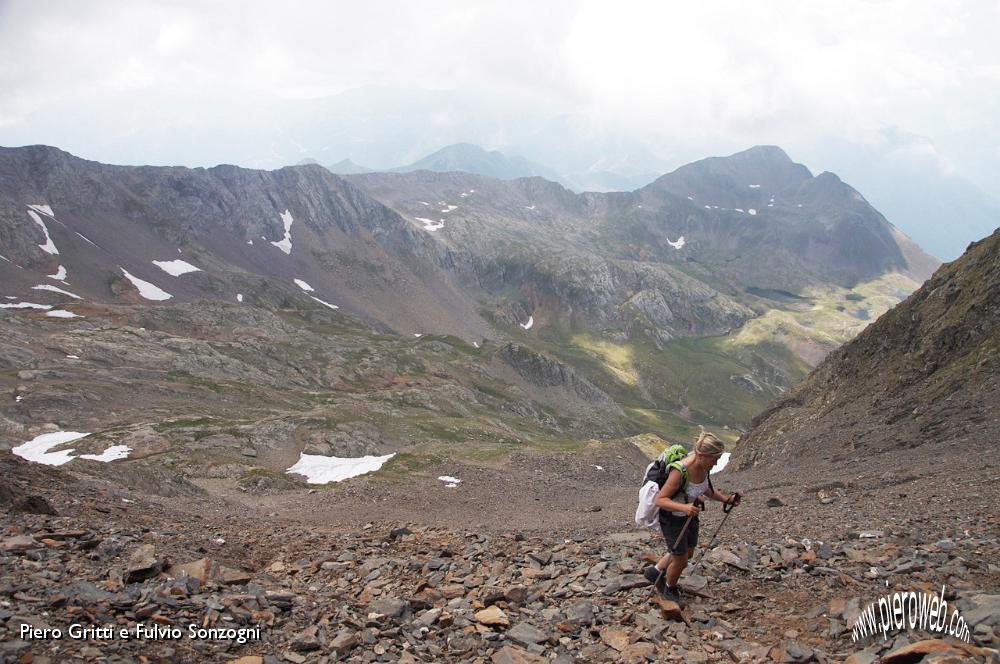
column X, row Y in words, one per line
column 148, row 82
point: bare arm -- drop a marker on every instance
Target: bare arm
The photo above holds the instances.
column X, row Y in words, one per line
column 670, row 488
column 724, row 497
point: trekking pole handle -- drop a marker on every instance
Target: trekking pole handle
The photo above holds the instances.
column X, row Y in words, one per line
column 731, row 503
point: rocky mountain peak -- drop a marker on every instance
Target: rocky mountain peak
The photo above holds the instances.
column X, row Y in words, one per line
column 765, row 167
column 348, row 167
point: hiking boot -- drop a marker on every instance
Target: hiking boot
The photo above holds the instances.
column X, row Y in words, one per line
column 658, row 580
column 673, row 594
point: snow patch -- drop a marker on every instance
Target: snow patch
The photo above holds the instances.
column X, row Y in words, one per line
column 86, row 239
column 60, row 274
column 326, row 304
column 449, row 208
column 113, row 453
column 37, row 449
column 722, row 462
column 44, row 209
column 527, row 326
column 450, row 482
column 690, row 199
column 49, row 246
column 598, row 467
column 320, row 469
column 424, row 203
column 529, row 207
column 752, row 212
column 146, row 289
column 61, row 313
column 239, row 297
column 678, row 244
column 430, row 224
column 176, row 268
column 738, row 209
column 25, row 305
column 285, row 244
column 417, row 334
column 55, row 289
column 72, row 357
column 754, row 186
column 303, row 285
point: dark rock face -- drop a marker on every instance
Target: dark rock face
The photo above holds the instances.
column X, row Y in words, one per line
column 546, row 372
column 33, row 505
column 927, row 372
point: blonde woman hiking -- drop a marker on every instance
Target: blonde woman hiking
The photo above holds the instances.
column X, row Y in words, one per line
column 680, row 500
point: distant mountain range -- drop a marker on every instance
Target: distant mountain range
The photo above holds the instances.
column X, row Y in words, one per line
column 900, row 174
column 938, row 212
column 468, row 158
column 694, row 299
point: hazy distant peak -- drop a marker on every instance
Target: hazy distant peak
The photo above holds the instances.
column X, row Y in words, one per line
column 470, row 158
column 348, row 167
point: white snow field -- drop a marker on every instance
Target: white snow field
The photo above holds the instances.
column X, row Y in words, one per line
column 146, row 289
column 320, row 469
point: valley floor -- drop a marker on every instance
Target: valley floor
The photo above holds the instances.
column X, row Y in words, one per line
column 532, row 560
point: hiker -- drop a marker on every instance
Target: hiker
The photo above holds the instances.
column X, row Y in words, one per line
column 678, row 507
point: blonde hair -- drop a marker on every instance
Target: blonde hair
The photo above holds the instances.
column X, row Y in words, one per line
column 708, row 443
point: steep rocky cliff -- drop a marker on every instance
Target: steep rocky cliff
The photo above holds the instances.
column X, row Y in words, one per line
column 926, row 373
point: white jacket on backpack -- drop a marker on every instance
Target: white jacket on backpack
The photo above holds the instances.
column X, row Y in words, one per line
column 647, row 513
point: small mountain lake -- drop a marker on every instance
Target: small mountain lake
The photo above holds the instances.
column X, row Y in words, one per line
column 776, row 294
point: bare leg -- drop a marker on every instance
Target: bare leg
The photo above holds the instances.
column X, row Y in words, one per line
column 676, row 566
column 661, row 564
column 674, row 569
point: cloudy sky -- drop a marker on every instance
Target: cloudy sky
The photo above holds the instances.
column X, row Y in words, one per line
column 133, row 82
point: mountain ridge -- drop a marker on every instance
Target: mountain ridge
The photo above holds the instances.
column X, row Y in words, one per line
column 928, row 371
column 630, row 290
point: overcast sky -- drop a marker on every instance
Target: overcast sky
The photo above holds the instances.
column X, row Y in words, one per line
column 681, row 77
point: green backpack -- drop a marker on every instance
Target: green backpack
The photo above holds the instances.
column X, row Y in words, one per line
column 672, row 457
column 669, row 459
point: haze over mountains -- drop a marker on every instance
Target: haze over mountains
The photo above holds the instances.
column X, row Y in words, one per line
column 943, row 213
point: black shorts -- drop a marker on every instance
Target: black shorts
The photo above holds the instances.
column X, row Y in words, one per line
column 671, row 526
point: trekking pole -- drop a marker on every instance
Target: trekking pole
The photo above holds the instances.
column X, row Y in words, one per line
column 726, row 509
